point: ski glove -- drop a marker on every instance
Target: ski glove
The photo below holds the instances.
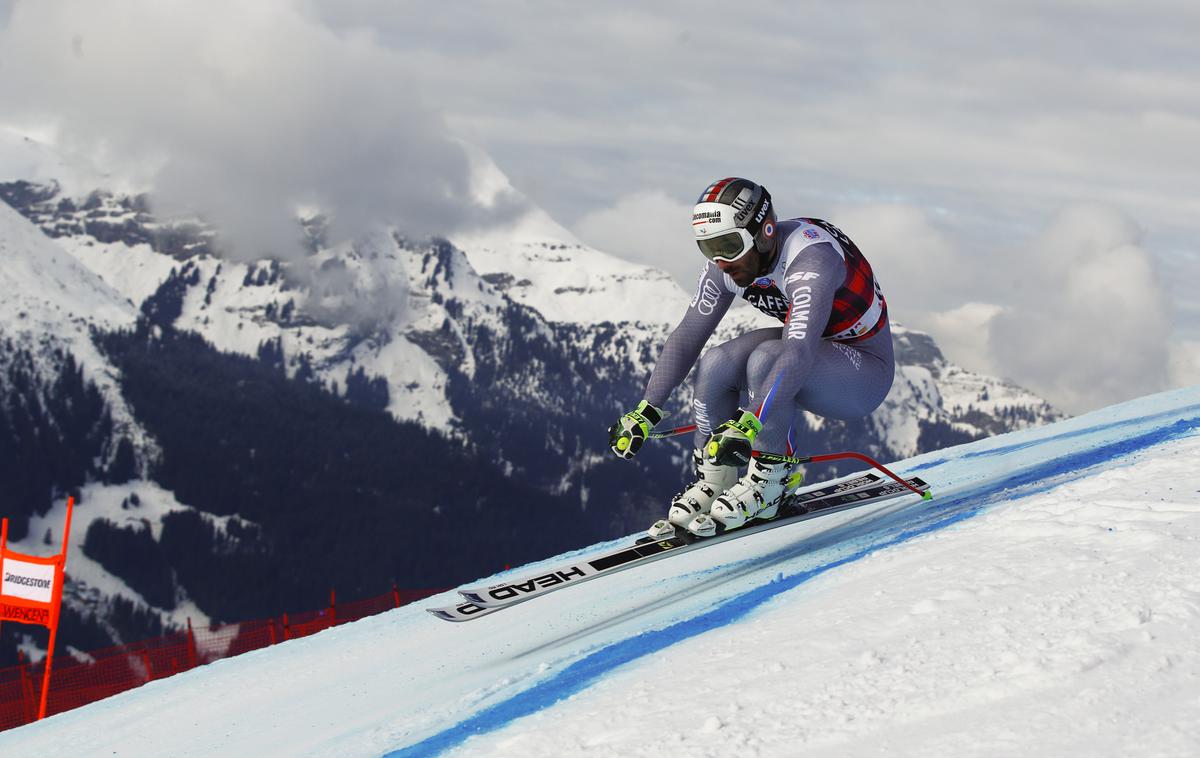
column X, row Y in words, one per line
column 626, row 436
column 731, row 443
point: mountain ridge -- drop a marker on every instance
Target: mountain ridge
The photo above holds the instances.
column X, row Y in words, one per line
column 517, row 343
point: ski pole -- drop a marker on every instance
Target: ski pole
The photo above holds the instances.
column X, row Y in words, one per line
column 777, row 458
column 672, row 432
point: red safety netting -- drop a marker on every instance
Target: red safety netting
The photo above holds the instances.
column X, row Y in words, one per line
column 82, row 678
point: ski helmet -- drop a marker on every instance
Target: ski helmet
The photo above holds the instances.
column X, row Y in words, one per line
column 730, row 216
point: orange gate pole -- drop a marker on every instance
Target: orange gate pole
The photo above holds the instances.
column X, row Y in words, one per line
column 58, row 582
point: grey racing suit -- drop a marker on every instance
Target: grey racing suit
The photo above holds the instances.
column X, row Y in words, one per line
column 832, row 356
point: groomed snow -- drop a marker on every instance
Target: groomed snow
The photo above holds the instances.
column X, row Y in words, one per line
column 1063, row 623
column 1046, row 602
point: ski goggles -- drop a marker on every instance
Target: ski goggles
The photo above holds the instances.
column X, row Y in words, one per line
column 727, row 247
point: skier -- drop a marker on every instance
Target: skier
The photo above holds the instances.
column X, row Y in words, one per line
column 832, row 356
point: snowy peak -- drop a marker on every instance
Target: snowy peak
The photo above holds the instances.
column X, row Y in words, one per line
column 491, row 189
column 572, row 283
column 393, row 307
column 539, row 263
column 917, row 348
column 47, row 288
column 977, row 404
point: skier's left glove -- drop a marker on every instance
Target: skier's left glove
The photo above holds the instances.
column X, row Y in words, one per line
column 626, row 436
column 732, row 442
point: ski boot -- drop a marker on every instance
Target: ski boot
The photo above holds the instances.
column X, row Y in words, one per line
column 757, row 495
column 694, row 502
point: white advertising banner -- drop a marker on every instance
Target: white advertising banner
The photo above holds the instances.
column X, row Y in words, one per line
column 31, row 581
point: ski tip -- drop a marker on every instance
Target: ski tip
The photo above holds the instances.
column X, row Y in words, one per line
column 928, row 495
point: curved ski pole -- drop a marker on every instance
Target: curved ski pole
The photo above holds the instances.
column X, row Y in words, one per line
column 777, row 458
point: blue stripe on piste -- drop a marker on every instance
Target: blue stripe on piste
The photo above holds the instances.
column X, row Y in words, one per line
column 1004, row 450
column 918, row 520
column 1075, row 433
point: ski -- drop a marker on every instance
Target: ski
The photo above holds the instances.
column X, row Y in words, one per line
column 857, row 483
column 850, row 493
column 854, row 493
column 494, row 595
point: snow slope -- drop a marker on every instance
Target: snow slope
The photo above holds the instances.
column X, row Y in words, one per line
column 51, row 303
column 46, row 291
column 1045, row 602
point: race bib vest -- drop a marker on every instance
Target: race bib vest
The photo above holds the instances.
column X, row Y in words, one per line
column 859, row 308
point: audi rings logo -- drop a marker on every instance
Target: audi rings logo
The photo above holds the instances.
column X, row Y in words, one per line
column 706, row 298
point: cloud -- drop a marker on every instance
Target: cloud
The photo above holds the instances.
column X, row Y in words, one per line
column 932, row 283
column 1184, row 364
column 975, row 105
column 919, row 265
column 1087, row 316
column 964, row 335
column 648, row 227
column 944, row 139
column 242, row 112
column 979, row 113
column 1078, row 312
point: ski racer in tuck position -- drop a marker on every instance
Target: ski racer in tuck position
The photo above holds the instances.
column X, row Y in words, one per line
column 832, row 356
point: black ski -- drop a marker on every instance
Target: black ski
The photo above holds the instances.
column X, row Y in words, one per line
column 799, row 507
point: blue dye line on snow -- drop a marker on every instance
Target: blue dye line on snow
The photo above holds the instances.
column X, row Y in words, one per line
column 586, row 671
column 1109, row 426
column 927, row 464
column 1015, row 447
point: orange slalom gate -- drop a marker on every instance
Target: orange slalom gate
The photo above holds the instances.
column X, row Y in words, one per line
column 31, row 591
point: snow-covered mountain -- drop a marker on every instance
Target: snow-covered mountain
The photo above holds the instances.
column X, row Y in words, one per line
column 65, row 416
column 518, row 344
column 1043, row 603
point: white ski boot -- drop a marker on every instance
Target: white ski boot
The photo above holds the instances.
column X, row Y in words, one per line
column 693, row 503
column 756, row 495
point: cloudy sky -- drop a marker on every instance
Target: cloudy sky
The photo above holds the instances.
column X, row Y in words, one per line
column 1023, row 174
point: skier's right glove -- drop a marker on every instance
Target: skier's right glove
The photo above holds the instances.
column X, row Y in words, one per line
column 732, row 442
column 626, row 436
